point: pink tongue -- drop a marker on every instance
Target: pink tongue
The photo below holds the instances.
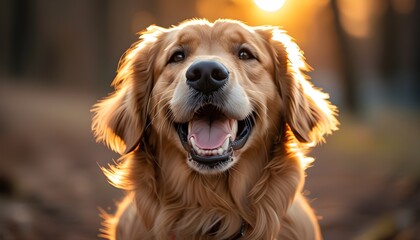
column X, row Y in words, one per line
column 209, row 135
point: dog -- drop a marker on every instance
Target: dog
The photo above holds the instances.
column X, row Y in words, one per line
column 212, row 121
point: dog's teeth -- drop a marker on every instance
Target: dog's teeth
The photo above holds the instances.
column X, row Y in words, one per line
column 210, row 152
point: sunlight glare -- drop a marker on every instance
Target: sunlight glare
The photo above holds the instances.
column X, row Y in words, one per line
column 269, row 5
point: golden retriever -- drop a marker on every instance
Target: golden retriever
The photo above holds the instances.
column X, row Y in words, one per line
column 212, row 120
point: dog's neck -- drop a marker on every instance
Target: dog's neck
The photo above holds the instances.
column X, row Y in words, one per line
column 239, row 234
column 210, row 204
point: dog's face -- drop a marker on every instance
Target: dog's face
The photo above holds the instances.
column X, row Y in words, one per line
column 215, row 81
column 212, row 91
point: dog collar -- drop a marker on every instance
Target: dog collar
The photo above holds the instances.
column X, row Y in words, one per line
column 238, row 235
column 242, row 231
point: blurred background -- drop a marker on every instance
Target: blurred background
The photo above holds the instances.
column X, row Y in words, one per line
column 57, row 58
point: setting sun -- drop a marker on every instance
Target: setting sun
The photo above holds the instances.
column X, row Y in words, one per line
column 269, row 5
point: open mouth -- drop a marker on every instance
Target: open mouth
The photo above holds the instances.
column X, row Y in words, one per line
column 211, row 138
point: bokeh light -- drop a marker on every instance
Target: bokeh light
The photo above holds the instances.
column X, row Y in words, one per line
column 269, row 5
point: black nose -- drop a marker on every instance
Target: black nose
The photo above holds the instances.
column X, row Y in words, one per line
column 207, row 76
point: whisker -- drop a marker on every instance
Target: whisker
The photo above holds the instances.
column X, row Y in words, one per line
column 162, row 99
column 164, row 122
column 268, row 116
column 255, row 91
column 157, row 112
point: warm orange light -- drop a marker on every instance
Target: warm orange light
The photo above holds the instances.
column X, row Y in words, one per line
column 269, row 5
column 355, row 16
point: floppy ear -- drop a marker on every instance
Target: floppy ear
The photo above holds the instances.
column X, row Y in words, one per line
column 120, row 119
column 306, row 109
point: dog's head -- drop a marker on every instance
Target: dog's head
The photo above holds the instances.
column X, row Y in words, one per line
column 212, row 91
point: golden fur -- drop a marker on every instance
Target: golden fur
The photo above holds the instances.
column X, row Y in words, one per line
column 167, row 198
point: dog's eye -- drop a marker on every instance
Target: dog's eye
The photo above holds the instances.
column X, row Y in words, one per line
column 178, row 56
column 245, row 54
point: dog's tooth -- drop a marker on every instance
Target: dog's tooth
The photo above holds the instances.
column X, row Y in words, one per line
column 220, row 151
column 192, row 141
column 234, row 129
column 226, row 143
column 214, row 152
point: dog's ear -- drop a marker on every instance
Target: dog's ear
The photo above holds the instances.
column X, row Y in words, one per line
column 307, row 110
column 120, row 119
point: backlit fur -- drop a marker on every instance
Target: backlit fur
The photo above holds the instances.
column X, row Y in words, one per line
column 166, row 198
